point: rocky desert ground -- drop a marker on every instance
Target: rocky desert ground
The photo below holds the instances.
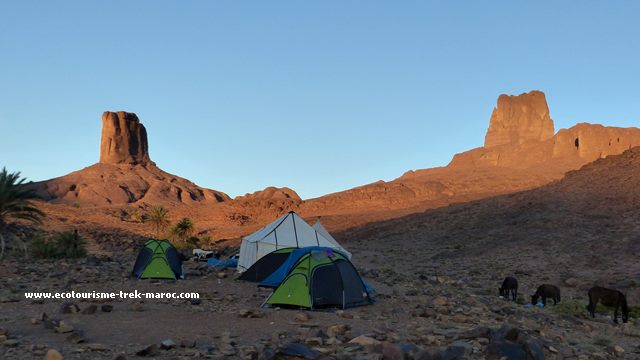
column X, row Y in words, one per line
column 435, row 244
column 437, row 298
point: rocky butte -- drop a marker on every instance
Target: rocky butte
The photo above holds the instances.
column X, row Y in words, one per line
column 518, row 119
column 123, row 140
column 125, row 173
column 520, row 136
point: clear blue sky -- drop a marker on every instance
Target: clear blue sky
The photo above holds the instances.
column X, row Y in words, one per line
column 319, row 96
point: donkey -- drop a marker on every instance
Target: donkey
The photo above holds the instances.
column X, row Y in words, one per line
column 608, row 297
column 509, row 286
column 546, row 291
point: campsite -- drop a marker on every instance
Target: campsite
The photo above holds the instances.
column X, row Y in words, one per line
column 319, row 180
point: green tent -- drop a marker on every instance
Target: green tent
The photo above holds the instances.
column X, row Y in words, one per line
column 158, row 259
column 317, row 277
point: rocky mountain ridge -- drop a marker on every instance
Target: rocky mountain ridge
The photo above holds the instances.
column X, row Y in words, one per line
column 521, row 152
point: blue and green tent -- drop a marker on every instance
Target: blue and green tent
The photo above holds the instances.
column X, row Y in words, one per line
column 317, row 277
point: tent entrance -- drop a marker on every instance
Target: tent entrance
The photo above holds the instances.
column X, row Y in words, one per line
column 326, row 289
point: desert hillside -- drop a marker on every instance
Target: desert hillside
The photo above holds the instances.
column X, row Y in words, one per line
column 579, row 231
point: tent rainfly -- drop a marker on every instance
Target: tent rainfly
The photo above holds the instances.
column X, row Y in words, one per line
column 288, row 231
column 158, row 259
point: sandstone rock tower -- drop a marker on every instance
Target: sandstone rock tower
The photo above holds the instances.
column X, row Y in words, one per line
column 518, row 119
column 124, row 139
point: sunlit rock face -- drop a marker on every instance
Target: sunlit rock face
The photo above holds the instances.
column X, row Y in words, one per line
column 124, row 139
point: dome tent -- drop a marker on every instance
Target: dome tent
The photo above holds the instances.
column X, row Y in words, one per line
column 158, row 259
column 317, row 277
column 289, row 230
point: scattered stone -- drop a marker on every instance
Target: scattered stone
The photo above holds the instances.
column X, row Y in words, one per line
column 344, row 314
column 475, row 333
column 107, row 308
column 571, row 282
column 53, row 354
column 70, row 308
column 302, row 317
column 251, row 314
column 298, row 350
column 50, row 323
column 97, row 347
column 149, row 350
column 167, row 344
column 63, row 328
column 618, row 350
column 440, row 301
column 76, row 337
column 196, row 301
column 337, row 330
column 364, row 341
column 11, row 343
column 187, row 343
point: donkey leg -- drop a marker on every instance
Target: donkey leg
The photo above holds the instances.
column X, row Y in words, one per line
column 615, row 314
column 590, row 308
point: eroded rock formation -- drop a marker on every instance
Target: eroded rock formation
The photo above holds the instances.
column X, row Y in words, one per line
column 518, row 119
column 124, row 139
column 125, row 173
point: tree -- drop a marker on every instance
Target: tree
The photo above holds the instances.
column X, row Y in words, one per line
column 159, row 219
column 183, row 229
column 16, row 202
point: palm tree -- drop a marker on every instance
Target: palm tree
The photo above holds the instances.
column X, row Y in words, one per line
column 183, row 228
column 16, row 202
column 159, row 219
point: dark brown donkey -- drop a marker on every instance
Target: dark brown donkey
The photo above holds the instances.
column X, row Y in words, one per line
column 608, row 297
column 546, row 291
column 509, row 286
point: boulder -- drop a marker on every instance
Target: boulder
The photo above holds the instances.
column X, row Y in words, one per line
column 53, row 354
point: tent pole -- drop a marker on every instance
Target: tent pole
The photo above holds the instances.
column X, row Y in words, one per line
column 295, row 232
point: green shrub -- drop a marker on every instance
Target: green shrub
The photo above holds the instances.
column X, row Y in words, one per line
column 570, row 307
column 63, row 245
column 138, row 216
column 42, row 248
column 70, row 245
